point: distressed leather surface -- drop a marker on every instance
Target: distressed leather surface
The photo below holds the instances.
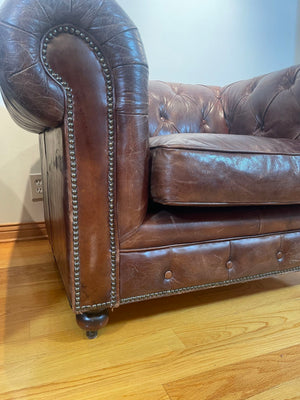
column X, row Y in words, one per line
column 55, row 189
column 91, row 158
column 168, row 226
column 267, row 105
column 37, row 102
column 183, row 108
column 149, row 238
column 176, row 269
column 264, row 106
column 224, row 169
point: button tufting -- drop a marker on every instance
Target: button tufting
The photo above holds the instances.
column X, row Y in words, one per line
column 279, row 255
column 168, row 274
column 229, row 264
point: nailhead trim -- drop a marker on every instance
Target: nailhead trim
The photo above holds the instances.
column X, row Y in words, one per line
column 206, row 285
column 73, row 163
column 191, row 288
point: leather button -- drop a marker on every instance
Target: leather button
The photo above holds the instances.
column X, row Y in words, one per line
column 279, row 255
column 229, row 264
column 168, row 274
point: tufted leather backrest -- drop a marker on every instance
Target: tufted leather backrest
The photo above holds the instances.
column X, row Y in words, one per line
column 180, row 108
column 268, row 105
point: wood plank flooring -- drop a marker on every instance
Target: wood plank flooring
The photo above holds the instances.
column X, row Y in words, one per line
column 238, row 342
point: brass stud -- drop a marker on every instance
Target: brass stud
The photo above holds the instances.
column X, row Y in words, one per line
column 168, row 274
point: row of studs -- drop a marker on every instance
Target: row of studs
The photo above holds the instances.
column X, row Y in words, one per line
column 169, row 292
column 73, row 163
column 206, row 286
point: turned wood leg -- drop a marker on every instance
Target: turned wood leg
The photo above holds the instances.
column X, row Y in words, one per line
column 92, row 322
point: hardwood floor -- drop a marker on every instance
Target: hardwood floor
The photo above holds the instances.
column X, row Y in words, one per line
column 238, row 342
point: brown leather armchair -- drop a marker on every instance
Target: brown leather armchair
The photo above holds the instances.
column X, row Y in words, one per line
column 151, row 188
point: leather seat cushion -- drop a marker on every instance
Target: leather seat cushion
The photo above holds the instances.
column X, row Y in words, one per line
column 224, row 169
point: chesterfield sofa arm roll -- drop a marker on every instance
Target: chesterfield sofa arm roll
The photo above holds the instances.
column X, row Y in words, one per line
column 150, row 188
column 76, row 73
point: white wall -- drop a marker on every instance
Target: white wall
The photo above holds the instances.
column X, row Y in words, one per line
column 192, row 41
column 215, row 41
column 297, row 46
column 19, row 156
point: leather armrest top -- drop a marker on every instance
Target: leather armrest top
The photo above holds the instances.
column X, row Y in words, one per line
column 33, row 97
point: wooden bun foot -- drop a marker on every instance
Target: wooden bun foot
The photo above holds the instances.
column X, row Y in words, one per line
column 92, row 322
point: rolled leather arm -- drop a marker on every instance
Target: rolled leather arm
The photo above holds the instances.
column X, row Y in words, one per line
column 80, row 65
column 34, row 98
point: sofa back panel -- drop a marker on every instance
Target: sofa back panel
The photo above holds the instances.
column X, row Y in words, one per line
column 268, row 105
column 54, row 189
column 182, row 108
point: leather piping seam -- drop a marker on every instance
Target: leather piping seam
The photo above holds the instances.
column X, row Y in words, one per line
column 68, row 29
column 220, row 240
column 206, row 285
column 210, row 151
column 167, row 202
